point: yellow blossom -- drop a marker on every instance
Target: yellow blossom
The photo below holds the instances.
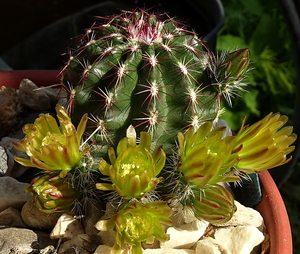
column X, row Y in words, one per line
column 51, row 147
column 265, row 144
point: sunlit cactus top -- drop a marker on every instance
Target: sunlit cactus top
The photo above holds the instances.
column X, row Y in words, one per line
column 148, row 71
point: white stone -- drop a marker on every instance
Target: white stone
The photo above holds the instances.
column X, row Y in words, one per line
column 210, row 246
column 240, row 239
column 168, row 251
column 12, row 193
column 244, row 216
column 103, row 249
column 66, row 227
column 185, row 236
column 17, row 169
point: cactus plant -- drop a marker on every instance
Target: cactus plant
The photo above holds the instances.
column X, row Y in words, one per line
column 152, row 92
column 148, row 71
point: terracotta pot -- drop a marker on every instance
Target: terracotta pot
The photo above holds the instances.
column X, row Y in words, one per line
column 273, row 210
column 272, row 207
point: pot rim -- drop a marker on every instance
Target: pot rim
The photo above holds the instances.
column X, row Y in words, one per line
column 273, row 210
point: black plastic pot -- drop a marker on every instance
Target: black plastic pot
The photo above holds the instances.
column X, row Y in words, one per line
column 43, row 50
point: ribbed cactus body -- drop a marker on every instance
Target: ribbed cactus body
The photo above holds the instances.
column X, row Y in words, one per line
column 142, row 70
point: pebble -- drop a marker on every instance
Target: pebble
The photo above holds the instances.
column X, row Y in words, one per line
column 8, row 110
column 12, row 193
column 36, row 219
column 245, row 216
column 66, row 227
column 246, row 238
column 81, row 244
column 23, row 241
column 210, row 245
column 15, row 169
column 168, row 251
column 103, row 249
column 185, row 236
column 30, row 96
column 11, row 217
column 6, row 161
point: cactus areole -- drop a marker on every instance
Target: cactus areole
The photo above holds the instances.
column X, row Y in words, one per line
column 147, row 71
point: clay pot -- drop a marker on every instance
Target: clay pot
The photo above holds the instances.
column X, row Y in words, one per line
column 272, row 207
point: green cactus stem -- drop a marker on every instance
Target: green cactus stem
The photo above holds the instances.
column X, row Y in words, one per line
column 148, row 71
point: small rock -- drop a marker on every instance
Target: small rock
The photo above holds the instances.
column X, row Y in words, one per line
column 108, row 237
column 210, row 246
column 66, row 227
column 48, row 250
column 168, row 251
column 81, row 244
column 17, row 169
column 8, row 110
column 103, row 249
column 23, row 240
column 244, row 216
column 6, row 161
column 36, row 219
column 30, row 96
column 185, row 236
column 12, row 193
column 240, row 239
column 11, row 217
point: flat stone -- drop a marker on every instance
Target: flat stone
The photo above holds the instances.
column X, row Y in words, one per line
column 12, row 193
column 66, row 227
column 185, row 236
column 240, row 239
column 23, row 241
column 168, row 251
column 32, row 97
column 11, row 217
column 36, row 219
column 209, row 245
column 244, row 216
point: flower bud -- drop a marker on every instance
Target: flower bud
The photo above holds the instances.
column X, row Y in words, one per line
column 52, row 193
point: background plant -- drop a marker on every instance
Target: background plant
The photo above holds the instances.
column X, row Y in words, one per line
column 259, row 26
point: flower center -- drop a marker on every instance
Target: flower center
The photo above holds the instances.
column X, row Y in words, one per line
column 53, row 139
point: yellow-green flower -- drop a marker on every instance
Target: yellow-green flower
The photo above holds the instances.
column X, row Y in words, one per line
column 51, row 147
column 205, row 155
column 136, row 222
column 265, row 144
column 134, row 169
column 52, row 193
